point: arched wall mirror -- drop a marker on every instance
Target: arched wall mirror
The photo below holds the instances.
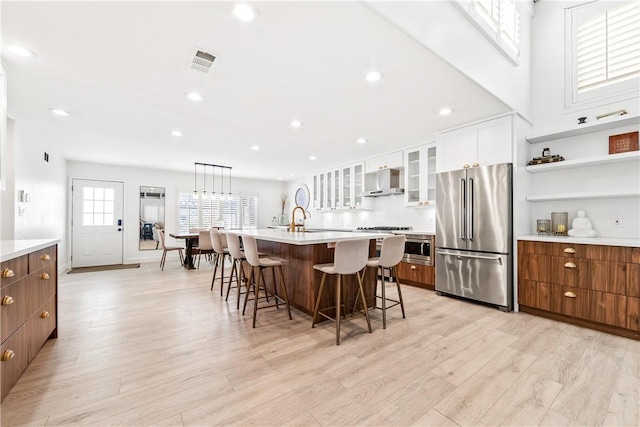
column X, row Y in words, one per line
column 151, row 217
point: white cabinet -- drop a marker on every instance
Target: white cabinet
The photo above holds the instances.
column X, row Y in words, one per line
column 486, row 143
column 333, row 188
column 420, row 175
column 389, row 160
column 352, row 185
column 319, row 191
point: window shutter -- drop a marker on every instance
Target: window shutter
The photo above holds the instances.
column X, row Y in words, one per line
column 608, row 47
column 187, row 211
column 249, row 212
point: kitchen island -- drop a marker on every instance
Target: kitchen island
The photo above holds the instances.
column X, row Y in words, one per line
column 303, row 250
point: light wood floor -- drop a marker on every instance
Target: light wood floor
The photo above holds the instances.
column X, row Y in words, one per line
column 141, row 347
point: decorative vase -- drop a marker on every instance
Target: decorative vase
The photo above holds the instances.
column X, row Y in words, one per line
column 283, row 219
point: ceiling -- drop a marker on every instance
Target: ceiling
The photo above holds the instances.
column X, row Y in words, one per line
column 122, row 70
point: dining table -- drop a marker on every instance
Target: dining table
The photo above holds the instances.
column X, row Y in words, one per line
column 190, row 239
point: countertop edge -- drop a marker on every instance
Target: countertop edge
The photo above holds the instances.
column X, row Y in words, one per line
column 606, row 241
column 11, row 249
column 313, row 238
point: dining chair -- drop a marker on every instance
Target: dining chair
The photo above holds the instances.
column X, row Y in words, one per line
column 166, row 249
column 205, row 246
column 350, row 257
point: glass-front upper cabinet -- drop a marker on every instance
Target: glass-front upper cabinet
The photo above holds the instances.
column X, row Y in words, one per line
column 336, row 189
column 329, row 176
column 322, row 192
column 420, row 175
column 352, row 185
column 315, row 196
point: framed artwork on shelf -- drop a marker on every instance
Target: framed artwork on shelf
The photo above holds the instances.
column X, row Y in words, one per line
column 623, row 143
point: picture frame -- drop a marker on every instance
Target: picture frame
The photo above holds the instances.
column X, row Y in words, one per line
column 623, row 143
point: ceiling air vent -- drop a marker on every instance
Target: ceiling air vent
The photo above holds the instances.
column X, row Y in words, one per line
column 202, row 61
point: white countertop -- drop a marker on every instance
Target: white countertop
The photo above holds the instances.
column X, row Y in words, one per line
column 308, row 238
column 10, row 249
column 606, row 241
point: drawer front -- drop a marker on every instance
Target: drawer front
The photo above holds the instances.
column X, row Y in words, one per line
column 569, row 250
column 608, row 276
column 42, row 258
column 633, row 313
column 416, row 273
column 41, row 286
column 575, row 302
column 572, row 272
column 543, row 296
column 14, row 270
column 535, row 267
column 41, row 325
column 607, row 308
column 14, row 357
column 14, row 307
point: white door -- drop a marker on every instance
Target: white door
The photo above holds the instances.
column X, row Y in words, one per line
column 97, row 223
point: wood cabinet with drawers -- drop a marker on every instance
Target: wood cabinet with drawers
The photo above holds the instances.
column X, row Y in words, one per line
column 28, row 307
column 591, row 285
column 422, row 276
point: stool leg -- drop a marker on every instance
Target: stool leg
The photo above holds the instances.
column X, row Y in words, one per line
column 384, row 299
column 275, row 286
column 364, row 302
column 284, row 288
column 246, row 295
column 256, row 289
column 242, row 279
column 221, row 257
column 215, row 270
column 395, row 274
column 264, row 284
column 315, row 310
column 233, row 269
column 338, row 294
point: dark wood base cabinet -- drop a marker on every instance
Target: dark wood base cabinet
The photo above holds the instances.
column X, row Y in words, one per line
column 28, row 306
column 590, row 285
column 422, row 276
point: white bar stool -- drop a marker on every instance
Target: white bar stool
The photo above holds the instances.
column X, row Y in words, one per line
column 237, row 257
column 219, row 252
column 257, row 268
column 350, row 257
column 391, row 254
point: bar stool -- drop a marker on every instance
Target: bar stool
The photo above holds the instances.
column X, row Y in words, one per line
column 391, row 254
column 237, row 257
column 258, row 265
column 350, row 257
column 219, row 252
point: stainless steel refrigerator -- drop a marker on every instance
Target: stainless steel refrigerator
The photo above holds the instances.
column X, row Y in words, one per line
column 474, row 234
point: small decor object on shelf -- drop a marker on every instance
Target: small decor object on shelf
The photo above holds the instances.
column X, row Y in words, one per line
column 543, row 226
column 582, row 120
column 559, row 223
column 581, row 226
column 623, row 143
column 546, row 158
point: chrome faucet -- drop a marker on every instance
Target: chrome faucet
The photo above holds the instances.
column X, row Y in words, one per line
column 293, row 219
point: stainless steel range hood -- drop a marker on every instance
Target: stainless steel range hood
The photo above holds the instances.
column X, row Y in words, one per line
column 386, row 183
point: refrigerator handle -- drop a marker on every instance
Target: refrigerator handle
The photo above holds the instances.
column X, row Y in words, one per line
column 461, row 215
column 470, row 210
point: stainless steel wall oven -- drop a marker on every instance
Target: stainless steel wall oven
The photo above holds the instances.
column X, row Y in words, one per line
column 418, row 249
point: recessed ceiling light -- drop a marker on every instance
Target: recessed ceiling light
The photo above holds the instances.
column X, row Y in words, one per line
column 19, row 50
column 312, row 157
column 255, row 147
column 176, row 133
column 59, row 112
column 445, row 111
column 194, row 96
column 291, row 175
column 279, row 178
column 373, row 76
column 362, row 140
column 245, row 12
column 296, row 123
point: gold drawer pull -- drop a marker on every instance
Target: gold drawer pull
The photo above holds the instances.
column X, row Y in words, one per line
column 466, row 166
column 45, row 257
column 413, row 267
column 569, row 251
column 8, row 355
column 570, row 265
column 6, row 300
column 7, row 273
column 44, row 276
column 569, row 294
column 476, row 164
column 44, row 315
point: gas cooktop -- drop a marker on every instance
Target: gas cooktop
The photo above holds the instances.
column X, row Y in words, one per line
column 381, row 228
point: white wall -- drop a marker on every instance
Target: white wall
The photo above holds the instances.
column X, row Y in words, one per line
column 8, row 196
column 268, row 193
column 548, row 109
column 45, row 215
column 443, row 28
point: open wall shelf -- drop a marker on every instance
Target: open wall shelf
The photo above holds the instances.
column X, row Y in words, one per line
column 605, row 194
column 605, row 124
column 590, row 161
